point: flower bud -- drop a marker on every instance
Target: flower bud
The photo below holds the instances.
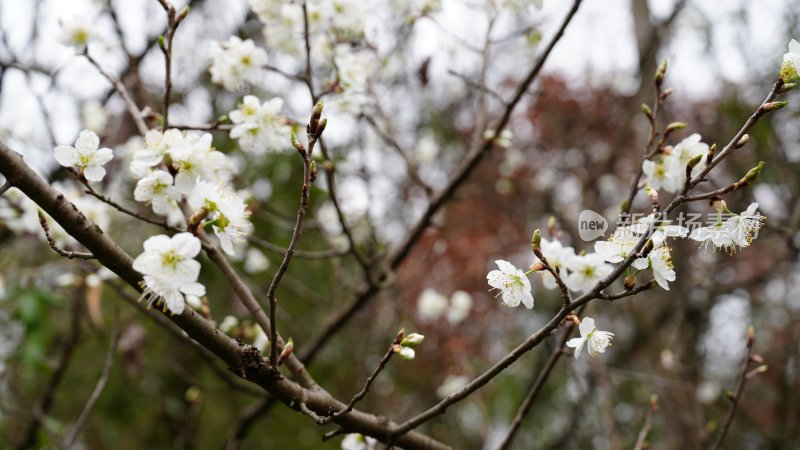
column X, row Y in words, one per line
column 536, row 240
column 660, row 72
column 667, row 92
column 711, row 151
column 406, row 353
column 551, row 225
column 412, row 340
column 787, row 87
column 751, row 336
column 674, row 126
column 654, row 402
column 694, row 162
column 287, row 351
column 652, row 194
column 757, row 359
column 762, row 368
column 313, row 123
column 536, row 267
column 296, row 144
column 753, row 173
column 313, row 170
column 647, row 111
column 773, row 106
column 743, row 141
column 629, row 282
column 718, row 204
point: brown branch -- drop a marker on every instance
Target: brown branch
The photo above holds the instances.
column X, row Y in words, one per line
column 50, row 241
column 165, row 44
column 535, row 389
column 243, row 359
column 98, row 389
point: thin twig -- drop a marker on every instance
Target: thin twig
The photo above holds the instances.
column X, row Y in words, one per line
column 641, row 440
column 736, row 397
column 50, row 241
column 305, row 194
column 91, row 191
column 98, row 389
column 367, row 385
column 119, row 86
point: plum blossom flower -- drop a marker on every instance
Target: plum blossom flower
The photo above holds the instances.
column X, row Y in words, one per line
column 460, row 307
column 669, row 172
column 598, row 340
column 661, row 262
column 258, row 127
column 790, row 69
column 170, row 270
column 356, row 441
column 156, row 188
column 742, row 227
column 512, row 283
column 618, row 247
column 716, row 235
column 586, row 270
column 557, row 256
column 77, row 32
column 236, row 62
column 431, row 305
column 227, row 213
column 661, row 233
column 85, row 156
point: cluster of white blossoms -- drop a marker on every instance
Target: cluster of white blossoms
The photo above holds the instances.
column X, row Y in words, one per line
column 258, row 126
column 169, row 270
column 77, row 31
column 581, row 272
column 85, row 156
column 738, row 230
column 201, row 174
column 669, row 171
column 236, row 62
column 431, row 305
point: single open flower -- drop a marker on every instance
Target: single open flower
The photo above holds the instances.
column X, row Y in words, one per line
column 597, row 340
column 512, row 283
column 85, row 156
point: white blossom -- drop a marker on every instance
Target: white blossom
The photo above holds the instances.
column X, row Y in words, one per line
column 431, row 305
column 618, row 247
column 662, row 232
column 85, row 156
column 156, row 188
column 406, row 353
column 356, row 441
column 597, row 340
column 586, row 270
column 255, row 261
column 170, row 270
column 660, row 261
column 236, row 62
column 228, row 214
column 513, row 284
column 742, row 227
column 669, row 172
column 790, row 70
column 77, row 31
column 557, row 257
column 460, row 307
column 258, row 127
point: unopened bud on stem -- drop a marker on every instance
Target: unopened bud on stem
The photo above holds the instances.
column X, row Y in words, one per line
column 629, row 282
column 743, row 141
column 718, row 204
column 751, row 336
column 660, row 73
column 536, row 240
column 286, row 352
column 773, row 106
